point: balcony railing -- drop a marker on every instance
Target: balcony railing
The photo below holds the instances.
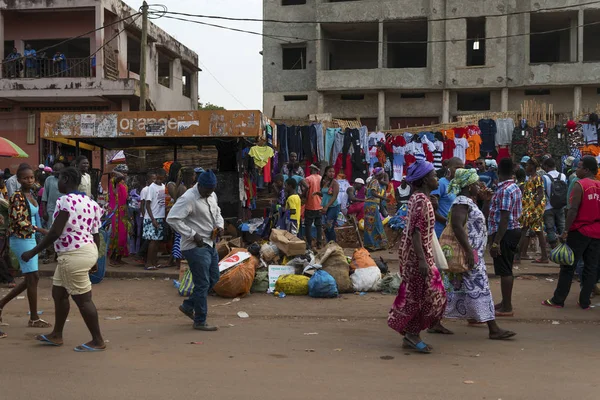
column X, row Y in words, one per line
column 45, row 68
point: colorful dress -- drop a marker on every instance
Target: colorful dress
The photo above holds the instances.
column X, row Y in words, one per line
column 421, row 301
column 469, row 295
column 375, row 237
column 533, row 211
column 120, row 219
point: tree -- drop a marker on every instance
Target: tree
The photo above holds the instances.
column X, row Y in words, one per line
column 209, row 106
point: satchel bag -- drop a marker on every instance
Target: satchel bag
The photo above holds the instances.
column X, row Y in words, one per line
column 452, row 249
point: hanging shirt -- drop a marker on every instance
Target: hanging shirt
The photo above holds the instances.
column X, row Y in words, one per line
column 379, row 136
column 398, row 167
column 488, row 135
column 448, row 151
column 461, row 146
column 505, row 128
column 261, row 155
column 437, row 154
column 473, row 152
column 590, row 133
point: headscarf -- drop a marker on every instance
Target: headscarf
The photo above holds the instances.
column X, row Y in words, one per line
column 462, row 178
column 377, row 171
column 207, row 179
column 167, row 166
column 122, row 168
column 418, row 170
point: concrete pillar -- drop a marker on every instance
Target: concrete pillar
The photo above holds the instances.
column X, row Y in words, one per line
column 382, row 47
column 574, row 36
column 320, row 103
column 445, row 106
column 99, row 37
column 581, row 21
column 381, row 119
column 504, row 100
column 319, row 46
column 125, row 105
column 577, row 97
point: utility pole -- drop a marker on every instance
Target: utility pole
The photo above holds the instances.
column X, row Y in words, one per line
column 143, row 55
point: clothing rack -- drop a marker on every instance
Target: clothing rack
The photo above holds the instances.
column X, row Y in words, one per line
column 473, row 119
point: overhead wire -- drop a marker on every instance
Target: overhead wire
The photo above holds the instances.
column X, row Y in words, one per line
column 223, row 86
column 298, row 38
column 541, row 10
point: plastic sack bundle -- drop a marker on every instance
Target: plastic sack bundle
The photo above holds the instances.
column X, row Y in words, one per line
column 391, row 284
column 268, row 252
column 292, row 285
column 261, row 281
column 362, row 259
column 237, row 281
column 562, row 255
column 334, row 261
column 322, row 285
column 366, row 279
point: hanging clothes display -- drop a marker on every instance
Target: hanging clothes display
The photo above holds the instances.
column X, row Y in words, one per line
column 537, row 145
column 261, row 155
column 461, row 146
column 330, row 135
column 520, row 138
column 504, row 130
column 488, row 137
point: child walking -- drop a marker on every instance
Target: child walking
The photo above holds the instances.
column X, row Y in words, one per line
column 293, row 205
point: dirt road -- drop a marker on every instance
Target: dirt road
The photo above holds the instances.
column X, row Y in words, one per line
column 353, row 355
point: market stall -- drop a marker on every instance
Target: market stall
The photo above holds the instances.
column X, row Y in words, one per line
column 170, row 133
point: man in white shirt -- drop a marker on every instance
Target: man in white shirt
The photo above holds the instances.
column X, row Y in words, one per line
column 154, row 219
column 83, row 165
column 554, row 215
column 196, row 216
column 143, row 251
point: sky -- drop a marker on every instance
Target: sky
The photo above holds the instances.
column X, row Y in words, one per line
column 231, row 57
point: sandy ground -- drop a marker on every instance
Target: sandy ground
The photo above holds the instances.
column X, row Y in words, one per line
column 353, row 355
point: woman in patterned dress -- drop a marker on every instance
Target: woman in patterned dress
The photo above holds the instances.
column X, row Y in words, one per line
column 121, row 225
column 421, row 298
column 374, row 235
column 532, row 217
column 469, row 295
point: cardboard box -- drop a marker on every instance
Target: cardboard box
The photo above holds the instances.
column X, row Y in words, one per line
column 288, row 244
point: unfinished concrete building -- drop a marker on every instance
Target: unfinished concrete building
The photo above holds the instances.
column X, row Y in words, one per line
column 100, row 72
column 399, row 63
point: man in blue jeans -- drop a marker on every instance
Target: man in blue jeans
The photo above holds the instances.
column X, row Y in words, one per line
column 196, row 216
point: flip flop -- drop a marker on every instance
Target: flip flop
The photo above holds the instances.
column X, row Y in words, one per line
column 45, row 341
column 421, row 347
column 3, row 335
column 505, row 336
column 440, row 331
column 549, row 303
column 84, row 348
column 505, row 314
column 151, row 268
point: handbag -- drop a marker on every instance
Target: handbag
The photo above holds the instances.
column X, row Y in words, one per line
column 186, row 287
column 452, row 249
column 438, row 255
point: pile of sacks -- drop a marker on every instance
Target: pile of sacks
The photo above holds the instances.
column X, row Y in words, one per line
column 324, row 275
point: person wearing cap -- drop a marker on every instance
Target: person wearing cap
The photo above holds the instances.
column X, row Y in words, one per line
column 569, row 167
column 421, row 299
column 486, row 175
column 311, row 188
column 196, row 216
column 523, row 162
column 293, row 167
column 356, row 199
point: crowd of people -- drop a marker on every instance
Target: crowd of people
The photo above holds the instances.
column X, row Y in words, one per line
column 54, row 208
column 499, row 213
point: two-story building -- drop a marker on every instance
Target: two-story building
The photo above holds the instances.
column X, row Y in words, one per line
column 398, row 63
column 100, row 71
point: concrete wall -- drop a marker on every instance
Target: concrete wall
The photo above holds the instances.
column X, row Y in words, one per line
column 507, row 59
column 366, row 108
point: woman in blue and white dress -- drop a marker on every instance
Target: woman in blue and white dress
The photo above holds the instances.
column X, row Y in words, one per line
column 469, row 295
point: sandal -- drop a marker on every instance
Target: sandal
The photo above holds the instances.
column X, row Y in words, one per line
column 12, row 285
column 44, row 340
column 84, row 348
column 39, row 323
column 504, row 335
column 3, row 335
column 583, row 308
column 420, row 347
column 505, row 313
column 549, row 303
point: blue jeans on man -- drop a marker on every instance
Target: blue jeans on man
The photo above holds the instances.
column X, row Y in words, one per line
column 204, row 265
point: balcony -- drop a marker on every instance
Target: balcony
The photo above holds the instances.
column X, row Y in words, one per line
column 45, row 68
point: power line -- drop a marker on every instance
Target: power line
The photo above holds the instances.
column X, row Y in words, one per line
column 73, row 38
column 395, row 21
column 220, row 84
column 289, row 38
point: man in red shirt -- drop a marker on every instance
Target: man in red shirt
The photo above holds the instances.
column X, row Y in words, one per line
column 582, row 235
column 312, row 211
